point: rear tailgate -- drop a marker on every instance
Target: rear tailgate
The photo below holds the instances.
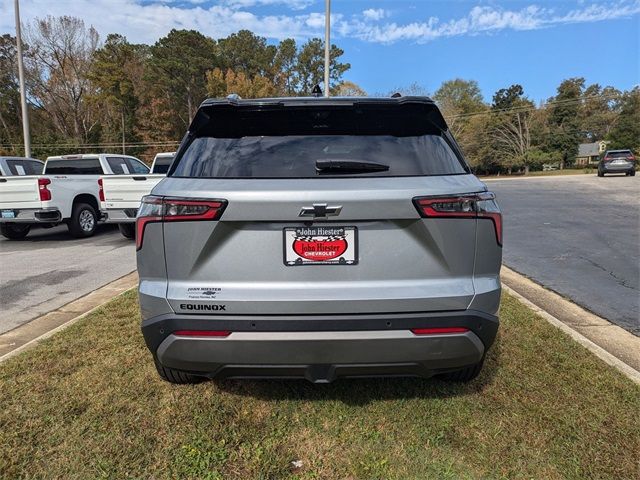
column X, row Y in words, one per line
column 19, row 192
column 126, row 191
column 404, row 263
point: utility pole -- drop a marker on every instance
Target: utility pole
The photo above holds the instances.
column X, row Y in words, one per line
column 327, row 45
column 23, row 91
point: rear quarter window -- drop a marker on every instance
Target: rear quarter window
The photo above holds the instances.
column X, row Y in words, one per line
column 24, row 167
column 76, row 166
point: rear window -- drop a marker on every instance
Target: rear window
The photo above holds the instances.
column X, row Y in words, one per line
column 77, row 166
column 162, row 164
column 296, row 142
column 619, row 154
column 24, row 167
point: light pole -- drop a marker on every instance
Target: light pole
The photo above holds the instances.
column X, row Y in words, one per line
column 23, row 92
column 327, row 45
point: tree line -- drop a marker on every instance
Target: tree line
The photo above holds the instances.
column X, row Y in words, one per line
column 87, row 95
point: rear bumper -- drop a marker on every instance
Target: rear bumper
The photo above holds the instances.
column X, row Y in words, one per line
column 617, row 168
column 120, row 215
column 33, row 215
column 321, row 348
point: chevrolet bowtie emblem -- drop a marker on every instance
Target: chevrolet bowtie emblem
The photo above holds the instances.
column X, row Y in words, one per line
column 320, row 210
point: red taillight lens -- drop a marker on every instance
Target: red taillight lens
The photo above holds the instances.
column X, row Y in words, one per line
column 477, row 205
column 159, row 209
column 202, row 333
column 438, row 330
column 100, row 190
column 45, row 193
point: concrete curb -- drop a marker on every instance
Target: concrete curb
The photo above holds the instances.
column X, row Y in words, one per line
column 33, row 332
column 606, row 356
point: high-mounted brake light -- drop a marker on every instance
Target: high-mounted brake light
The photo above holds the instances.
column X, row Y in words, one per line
column 202, row 333
column 438, row 330
column 476, row 205
column 170, row 209
column 100, row 190
column 45, row 193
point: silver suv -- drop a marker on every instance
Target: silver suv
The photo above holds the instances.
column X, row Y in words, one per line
column 319, row 238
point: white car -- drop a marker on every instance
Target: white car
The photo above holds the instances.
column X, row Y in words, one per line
column 66, row 192
column 120, row 195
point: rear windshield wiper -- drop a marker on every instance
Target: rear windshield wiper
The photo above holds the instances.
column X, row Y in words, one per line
column 347, row 166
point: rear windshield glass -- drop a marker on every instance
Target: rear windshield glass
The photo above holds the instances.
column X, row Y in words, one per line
column 162, row 164
column 76, row 166
column 24, row 167
column 622, row 154
column 299, row 156
column 319, row 142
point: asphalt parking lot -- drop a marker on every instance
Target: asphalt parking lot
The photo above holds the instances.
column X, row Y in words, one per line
column 50, row 268
column 579, row 236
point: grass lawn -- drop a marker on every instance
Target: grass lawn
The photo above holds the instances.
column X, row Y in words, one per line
column 87, row 403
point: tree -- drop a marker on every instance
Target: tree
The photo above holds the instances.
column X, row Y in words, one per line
column 178, row 65
column 61, row 54
column 511, row 127
column 221, row 84
column 285, row 61
column 9, row 94
column 248, row 53
column 564, row 128
column 310, row 65
column 599, row 110
column 413, row 89
column 458, row 99
column 349, row 89
column 115, row 70
column 626, row 131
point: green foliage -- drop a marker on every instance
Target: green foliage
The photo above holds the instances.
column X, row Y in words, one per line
column 626, row 131
column 310, row 67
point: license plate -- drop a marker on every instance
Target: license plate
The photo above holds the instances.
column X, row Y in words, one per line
column 8, row 214
column 320, row 246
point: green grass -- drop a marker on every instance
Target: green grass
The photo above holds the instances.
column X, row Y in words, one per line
column 87, row 403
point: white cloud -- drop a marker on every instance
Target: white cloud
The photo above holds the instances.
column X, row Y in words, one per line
column 484, row 19
column 149, row 21
column 374, row 14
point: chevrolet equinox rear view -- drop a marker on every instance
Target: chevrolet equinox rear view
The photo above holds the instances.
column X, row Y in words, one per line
column 319, row 238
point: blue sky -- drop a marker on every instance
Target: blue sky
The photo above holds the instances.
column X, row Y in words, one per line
column 395, row 43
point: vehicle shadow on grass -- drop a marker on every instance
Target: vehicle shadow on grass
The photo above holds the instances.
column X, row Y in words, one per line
column 362, row 391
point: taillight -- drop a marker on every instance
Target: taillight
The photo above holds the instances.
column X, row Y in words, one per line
column 438, row 330
column 45, row 193
column 476, row 205
column 169, row 209
column 100, row 190
column 202, row 333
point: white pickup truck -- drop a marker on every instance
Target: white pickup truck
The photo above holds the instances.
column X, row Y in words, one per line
column 66, row 192
column 120, row 195
column 20, row 166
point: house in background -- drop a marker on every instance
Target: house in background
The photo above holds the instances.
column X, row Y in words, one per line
column 589, row 153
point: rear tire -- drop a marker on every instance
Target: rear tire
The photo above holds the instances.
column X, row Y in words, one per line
column 632, row 173
column 175, row 376
column 14, row 231
column 600, row 174
column 464, row 375
column 128, row 230
column 83, row 221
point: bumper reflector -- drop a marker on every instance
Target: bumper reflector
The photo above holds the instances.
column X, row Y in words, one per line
column 438, row 330
column 202, row 333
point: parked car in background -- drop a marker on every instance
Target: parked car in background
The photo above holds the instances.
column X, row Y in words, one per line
column 66, row 192
column 20, row 166
column 319, row 238
column 617, row 161
column 120, row 195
